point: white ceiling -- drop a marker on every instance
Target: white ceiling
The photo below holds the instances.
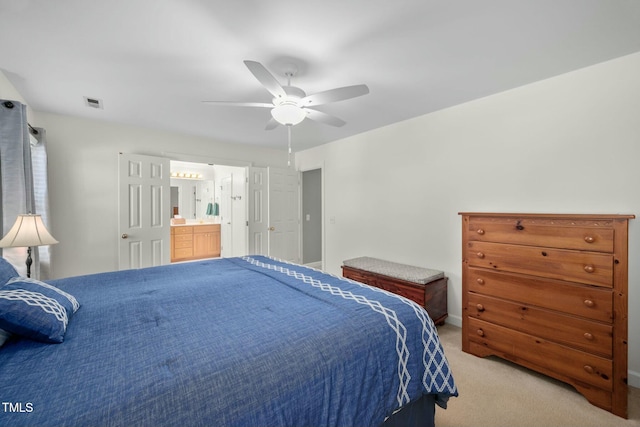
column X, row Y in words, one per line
column 152, row 62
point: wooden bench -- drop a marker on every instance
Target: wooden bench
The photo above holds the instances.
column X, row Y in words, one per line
column 425, row 286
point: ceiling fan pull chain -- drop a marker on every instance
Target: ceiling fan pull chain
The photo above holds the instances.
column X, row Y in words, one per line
column 289, row 144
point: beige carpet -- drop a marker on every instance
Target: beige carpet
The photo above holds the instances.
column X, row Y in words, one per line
column 496, row 393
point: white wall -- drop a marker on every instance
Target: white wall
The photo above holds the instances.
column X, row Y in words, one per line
column 9, row 92
column 570, row 144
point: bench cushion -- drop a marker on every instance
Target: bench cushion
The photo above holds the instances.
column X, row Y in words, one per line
column 393, row 269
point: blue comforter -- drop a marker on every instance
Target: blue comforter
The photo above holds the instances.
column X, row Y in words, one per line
column 228, row 342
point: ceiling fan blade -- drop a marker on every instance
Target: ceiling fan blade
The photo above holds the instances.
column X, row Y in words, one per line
column 266, row 78
column 271, row 124
column 325, row 118
column 333, row 95
column 239, row 104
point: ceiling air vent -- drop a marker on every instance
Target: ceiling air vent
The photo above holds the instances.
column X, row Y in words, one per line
column 93, row 102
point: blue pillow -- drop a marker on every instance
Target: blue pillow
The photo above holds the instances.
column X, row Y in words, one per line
column 35, row 309
column 6, row 271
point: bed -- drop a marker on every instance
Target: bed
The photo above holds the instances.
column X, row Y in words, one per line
column 248, row 341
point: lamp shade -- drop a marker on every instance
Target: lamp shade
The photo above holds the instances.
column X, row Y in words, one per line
column 28, row 230
column 288, row 114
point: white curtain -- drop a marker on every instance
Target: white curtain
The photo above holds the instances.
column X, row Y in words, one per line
column 23, row 174
column 40, row 197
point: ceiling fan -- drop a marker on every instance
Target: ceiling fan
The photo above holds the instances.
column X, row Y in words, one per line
column 290, row 104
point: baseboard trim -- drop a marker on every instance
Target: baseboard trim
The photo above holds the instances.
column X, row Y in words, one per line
column 633, row 379
column 316, row 265
column 454, row 320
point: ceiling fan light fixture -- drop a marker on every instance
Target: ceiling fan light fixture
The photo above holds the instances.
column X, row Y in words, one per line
column 288, row 114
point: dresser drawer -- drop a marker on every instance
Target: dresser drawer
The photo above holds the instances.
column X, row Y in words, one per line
column 592, row 302
column 183, row 238
column 583, row 334
column 182, row 230
column 184, row 244
column 543, row 232
column 184, row 252
column 211, row 228
column 574, row 266
column 518, row 346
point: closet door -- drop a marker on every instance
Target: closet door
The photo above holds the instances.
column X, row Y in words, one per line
column 258, row 211
column 226, row 216
column 274, row 213
column 284, row 214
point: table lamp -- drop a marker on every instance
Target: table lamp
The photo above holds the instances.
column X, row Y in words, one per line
column 28, row 231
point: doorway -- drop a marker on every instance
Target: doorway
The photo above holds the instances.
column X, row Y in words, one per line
column 312, row 218
column 202, row 193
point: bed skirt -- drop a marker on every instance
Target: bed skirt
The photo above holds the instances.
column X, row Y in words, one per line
column 420, row 413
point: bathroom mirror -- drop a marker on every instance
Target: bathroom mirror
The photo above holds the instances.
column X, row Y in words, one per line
column 190, row 197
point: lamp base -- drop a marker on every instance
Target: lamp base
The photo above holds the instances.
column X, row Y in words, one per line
column 29, row 261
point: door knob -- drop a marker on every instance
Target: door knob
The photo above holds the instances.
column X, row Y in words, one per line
column 125, row 236
column 272, row 229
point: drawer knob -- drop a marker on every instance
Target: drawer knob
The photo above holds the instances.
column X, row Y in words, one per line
column 589, row 239
column 589, row 369
column 480, row 231
column 589, row 268
column 480, row 281
column 480, row 307
column 589, row 303
column 480, row 332
column 480, row 255
column 588, row 336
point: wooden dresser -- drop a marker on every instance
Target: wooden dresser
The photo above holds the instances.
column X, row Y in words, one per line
column 189, row 242
column 549, row 292
column 424, row 286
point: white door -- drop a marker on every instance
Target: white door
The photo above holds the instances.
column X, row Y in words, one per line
column 258, row 186
column 226, row 218
column 144, row 211
column 284, row 214
column 239, row 212
column 274, row 213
